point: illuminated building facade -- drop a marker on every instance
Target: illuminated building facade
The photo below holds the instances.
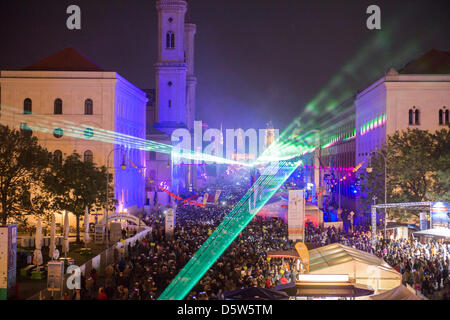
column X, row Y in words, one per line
column 416, row 96
column 66, row 87
column 175, row 94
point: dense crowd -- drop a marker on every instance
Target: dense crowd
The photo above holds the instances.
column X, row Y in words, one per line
column 143, row 271
column 424, row 266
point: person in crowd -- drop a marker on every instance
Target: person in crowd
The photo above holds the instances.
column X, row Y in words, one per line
column 101, row 294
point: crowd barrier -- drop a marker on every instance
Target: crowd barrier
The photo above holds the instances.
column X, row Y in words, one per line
column 98, row 262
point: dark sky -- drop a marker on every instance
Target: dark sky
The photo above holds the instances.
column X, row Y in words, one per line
column 256, row 60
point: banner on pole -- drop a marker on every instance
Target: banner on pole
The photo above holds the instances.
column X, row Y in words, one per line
column 216, row 198
column 55, row 275
column 170, row 222
column 296, row 215
column 374, row 226
column 8, row 257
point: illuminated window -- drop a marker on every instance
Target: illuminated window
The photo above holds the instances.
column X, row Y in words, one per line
column 57, row 106
column 27, row 106
column 88, row 107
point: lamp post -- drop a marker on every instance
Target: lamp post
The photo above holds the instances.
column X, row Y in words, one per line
column 123, row 167
column 385, row 188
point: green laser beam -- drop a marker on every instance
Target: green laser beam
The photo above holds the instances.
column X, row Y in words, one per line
column 232, row 225
column 41, row 123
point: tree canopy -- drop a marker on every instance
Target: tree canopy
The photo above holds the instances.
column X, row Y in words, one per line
column 23, row 162
column 77, row 185
column 418, row 168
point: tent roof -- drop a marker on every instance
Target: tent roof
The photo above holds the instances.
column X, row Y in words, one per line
column 399, row 293
column 337, row 253
column 440, row 233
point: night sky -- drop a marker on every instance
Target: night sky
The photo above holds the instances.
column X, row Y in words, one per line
column 256, row 60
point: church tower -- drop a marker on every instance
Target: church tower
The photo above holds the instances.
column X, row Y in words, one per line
column 191, row 81
column 171, row 67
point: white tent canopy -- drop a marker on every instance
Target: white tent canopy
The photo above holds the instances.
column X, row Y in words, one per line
column 361, row 267
column 436, row 233
column 52, row 237
column 399, row 293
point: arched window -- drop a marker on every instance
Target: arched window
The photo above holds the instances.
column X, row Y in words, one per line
column 88, row 107
column 444, row 118
column 414, row 116
column 57, row 156
column 170, row 40
column 411, row 119
column 27, row 106
column 57, row 106
column 417, row 117
column 88, row 156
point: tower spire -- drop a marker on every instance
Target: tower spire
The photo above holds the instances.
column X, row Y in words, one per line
column 171, row 68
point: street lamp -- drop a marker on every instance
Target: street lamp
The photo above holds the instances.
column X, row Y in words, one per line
column 369, row 170
column 123, row 167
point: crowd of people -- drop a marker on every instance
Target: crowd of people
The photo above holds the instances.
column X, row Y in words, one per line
column 143, row 271
column 424, row 266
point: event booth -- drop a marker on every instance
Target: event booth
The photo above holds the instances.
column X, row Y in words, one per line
column 365, row 274
column 362, row 268
column 277, row 207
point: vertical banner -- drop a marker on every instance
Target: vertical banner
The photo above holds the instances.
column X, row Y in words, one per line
column 303, row 253
column 99, row 234
column 55, row 276
column 8, row 258
column 170, row 222
column 439, row 212
column 374, row 226
column 423, row 221
column 296, row 215
column 205, row 198
column 216, row 197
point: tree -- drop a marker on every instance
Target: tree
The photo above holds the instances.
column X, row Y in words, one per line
column 417, row 169
column 23, row 162
column 77, row 184
column 441, row 176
